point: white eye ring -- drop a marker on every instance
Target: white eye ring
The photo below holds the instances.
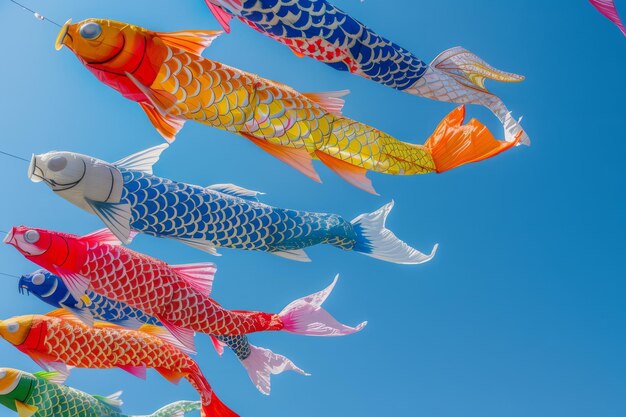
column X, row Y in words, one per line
column 57, row 163
column 90, row 30
column 13, row 327
column 39, row 279
column 32, row 236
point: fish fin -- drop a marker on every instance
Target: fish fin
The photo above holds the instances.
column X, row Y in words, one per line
column 297, row 53
column 144, row 160
column 295, row 255
column 25, row 410
column 167, row 126
column 105, row 237
column 162, row 100
column 236, row 191
column 83, row 314
column 351, row 173
column 114, row 400
column 262, row 363
column 184, row 336
column 50, row 363
column 306, row 316
column 162, row 333
column 199, row 276
column 471, row 70
column 76, row 284
column 221, row 15
column 138, row 371
column 56, row 377
column 331, row 101
column 375, row 240
column 299, row 159
column 172, row 376
column 192, row 41
column 130, row 323
column 201, row 244
column 218, row 345
column 116, row 216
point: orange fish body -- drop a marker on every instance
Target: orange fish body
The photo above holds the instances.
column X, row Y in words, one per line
column 173, row 83
column 57, row 340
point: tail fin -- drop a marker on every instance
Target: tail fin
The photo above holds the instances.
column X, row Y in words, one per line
column 306, row 316
column 374, row 240
column 454, row 144
column 177, row 409
column 211, row 405
column 262, row 363
column 216, row 408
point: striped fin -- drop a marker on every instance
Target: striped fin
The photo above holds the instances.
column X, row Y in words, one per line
column 114, row 401
column 144, row 160
column 331, row 101
column 192, row 41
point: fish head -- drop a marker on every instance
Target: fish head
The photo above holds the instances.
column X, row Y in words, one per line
column 30, row 242
column 16, row 329
column 43, row 285
column 9, row 380
column 77, row 178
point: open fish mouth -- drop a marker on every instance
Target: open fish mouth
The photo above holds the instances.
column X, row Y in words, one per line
column 62, row 34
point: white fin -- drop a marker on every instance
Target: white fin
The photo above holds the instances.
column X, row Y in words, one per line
column 262, row 363
column 237, row 191
column 375, row 240
column 201, row 244
column 184, row 336
column 116, row 217
column 162, row 333
column 83, row 314
column 142, row 161
column 76, row 284
column 305, row 316
column 114, row 400
column 295, row 255
column 199, row 276
column 331, row 101
column 129, row 323
column 56, row 377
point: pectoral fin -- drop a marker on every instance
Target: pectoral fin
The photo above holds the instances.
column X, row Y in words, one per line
column 353, row 174
column 116, row 216
column 25, row 410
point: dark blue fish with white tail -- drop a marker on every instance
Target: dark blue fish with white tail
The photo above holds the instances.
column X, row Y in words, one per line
column 127, row 197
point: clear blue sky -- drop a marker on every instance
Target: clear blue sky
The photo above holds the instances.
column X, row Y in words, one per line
column 522, row 311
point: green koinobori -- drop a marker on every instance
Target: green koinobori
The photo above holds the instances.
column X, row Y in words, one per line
column 42, row 395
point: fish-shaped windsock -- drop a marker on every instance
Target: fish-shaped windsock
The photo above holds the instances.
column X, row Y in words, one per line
column 260, row 363
column 127, row 196
column 177, row 296
column 57, row 341
column 173, row 83
column 319, row 30
column 609, row 10
column 42, row 395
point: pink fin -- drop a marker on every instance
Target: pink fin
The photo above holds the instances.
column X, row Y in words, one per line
column 222, row 16
column 192, row 41
column 262, row 363
column 299, row 159
column 331, row 101
column 138, row 371
column 184, row 336
column 609, row 10
column 105, row 237
column 306, row 316
column 199, row 276
column 167, row 126
column 166, row 336
column 353, row 174
column 219, row 346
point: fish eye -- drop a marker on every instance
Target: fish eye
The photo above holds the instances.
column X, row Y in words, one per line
column 13, row 327
column 39, row 279
column 32, row 236
column 90, row 30
column 57, row 163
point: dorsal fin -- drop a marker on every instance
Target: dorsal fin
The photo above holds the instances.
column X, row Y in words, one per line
column 192, row 41
column 105, row 237
column 199, row 276
column 114, row 400
column 236, row 191
column 56, row 377
column 331, row 100
column 166, row 336
column 144, row 160
column 63, row 315
column 222, row 15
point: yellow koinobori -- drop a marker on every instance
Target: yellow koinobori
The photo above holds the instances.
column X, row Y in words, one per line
column 173, row 83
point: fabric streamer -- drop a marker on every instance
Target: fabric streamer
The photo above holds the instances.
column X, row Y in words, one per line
column 609, row 10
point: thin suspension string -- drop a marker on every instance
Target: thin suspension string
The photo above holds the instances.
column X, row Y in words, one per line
column 37, row 15
column 9, row 275
column 14, row 156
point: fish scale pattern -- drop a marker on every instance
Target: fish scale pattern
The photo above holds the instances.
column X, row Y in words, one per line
column 319, row 30
column 220, row 96
column 161, row 207
column 153, row 287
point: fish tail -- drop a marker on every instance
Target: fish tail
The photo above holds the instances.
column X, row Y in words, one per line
column 305, row 316
column 262, row 363
column 458, row 76
column 454, row 144
column 177, row 409
column 375, row 240
column 211, row 405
